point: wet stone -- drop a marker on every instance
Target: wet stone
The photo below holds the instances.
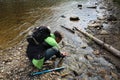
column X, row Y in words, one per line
column 106, row 77
column 89, row 57
column 104, row 32
column 1, row 76
column 114, row 75
column 74, row 18
column 96, row 52
column 95, row 25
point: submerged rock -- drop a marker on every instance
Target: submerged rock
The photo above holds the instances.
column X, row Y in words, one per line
column 111, row 18
column 74, row 18
column 79, row 6
column 95, row 25
column 104, row 32
column 92, row 7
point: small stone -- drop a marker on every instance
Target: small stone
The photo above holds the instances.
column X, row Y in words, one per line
column 80, row 6
column 114, row 75
column 83, row 47
column 111, row 18
column 2, row 70
column 74, row 18
column 96, row 52
column 104, row 32
column 107, row 77
column 102, row 72
column 1, row 76
column 94, row 25
column 63, row 16
column 89, row 74
column 101, row 17
column 93, row 7
column 3, row 62
column 102, row 7
column 88, row 57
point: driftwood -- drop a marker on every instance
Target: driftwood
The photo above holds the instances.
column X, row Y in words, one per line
column 93, row 7
column 106, row 46
column 72, row 31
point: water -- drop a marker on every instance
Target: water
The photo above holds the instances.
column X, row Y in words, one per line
column 16, row 16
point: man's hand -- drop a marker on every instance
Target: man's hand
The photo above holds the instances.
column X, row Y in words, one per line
column 64, row 54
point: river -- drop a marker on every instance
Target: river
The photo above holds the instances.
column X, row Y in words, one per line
column 18, row 15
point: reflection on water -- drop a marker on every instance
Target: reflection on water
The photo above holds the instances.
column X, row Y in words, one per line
column 18, row 15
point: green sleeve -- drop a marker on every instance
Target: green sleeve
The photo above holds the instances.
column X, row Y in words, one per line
column 51, row 41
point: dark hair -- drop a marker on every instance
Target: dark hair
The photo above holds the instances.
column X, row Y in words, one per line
column 58, row 34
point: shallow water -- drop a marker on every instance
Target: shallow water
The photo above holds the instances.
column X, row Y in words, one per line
column 17, row 16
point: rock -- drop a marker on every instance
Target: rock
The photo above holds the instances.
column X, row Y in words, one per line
column 107, row 77
column 114, row 75
column 84, row 46
column 102, row 72
column 101, row 16
column 95, row 25
column 84, row 78
column 102, row 7
column 111, row 18
column 2, row 71
column 89, row 57
column 104, row 32
column 92, row 7
column 89, row 74
column 103, row 62
column 74, row 18
column 63, row 16
column 64, row 75
column 80, row 6
column 1, row 76
column 19, row 48
column 96, row 52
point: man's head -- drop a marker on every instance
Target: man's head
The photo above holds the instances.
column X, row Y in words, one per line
column 58, row 36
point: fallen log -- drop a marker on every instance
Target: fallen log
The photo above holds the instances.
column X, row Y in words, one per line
column 72, row 31
column 106, row 46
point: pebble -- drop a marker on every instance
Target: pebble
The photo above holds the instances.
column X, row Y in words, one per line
column 114, row 75
column 96, row 52
column 104, row 32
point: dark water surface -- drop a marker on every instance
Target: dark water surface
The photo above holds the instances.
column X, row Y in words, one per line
column 18, row 15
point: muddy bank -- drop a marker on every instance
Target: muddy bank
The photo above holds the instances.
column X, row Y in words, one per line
column 83, row 63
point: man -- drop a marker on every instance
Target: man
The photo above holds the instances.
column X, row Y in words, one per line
column 38, row 54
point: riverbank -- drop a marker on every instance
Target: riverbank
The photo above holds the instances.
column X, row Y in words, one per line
column 83, row 62
column 106, row 28
column 15, row 65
